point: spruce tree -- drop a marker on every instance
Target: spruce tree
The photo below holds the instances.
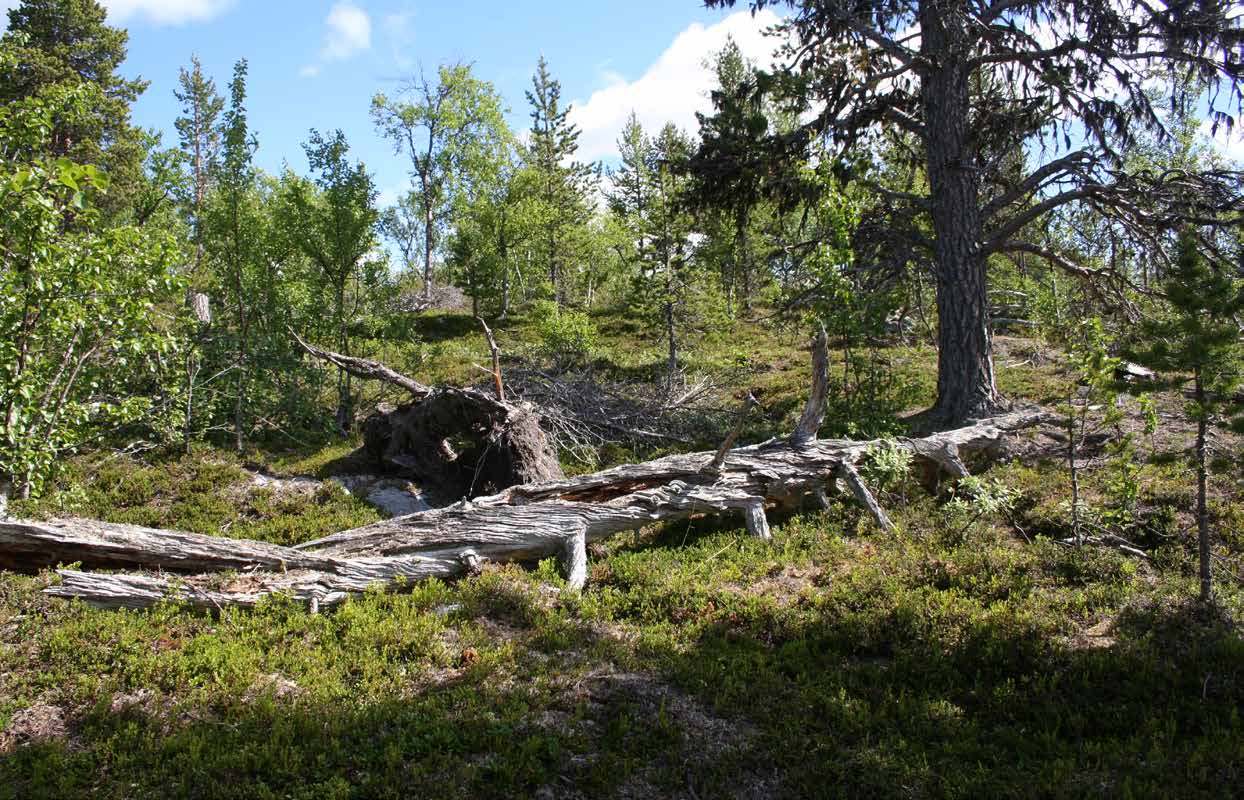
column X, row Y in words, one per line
column 1200, row 338
column 563, row 184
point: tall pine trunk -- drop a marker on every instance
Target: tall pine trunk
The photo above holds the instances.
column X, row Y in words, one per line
column 965, row 379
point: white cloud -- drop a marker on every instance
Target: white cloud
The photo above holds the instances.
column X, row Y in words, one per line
column 165, row 12
column 349, row 32
column 400, row 32
column 671, row 90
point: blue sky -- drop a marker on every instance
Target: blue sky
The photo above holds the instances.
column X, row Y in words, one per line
column 316, row 63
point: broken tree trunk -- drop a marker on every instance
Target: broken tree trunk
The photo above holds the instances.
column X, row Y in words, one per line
column 455, row 442
column 521, row 523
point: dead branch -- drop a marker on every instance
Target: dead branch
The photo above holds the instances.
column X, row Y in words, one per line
column 365, row 368
column 720, row 458
column 496, row 359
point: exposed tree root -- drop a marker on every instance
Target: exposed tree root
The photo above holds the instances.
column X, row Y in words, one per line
column 455, row 442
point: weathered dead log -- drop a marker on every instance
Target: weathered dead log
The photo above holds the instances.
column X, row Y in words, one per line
column 456, row 442
column 521, row 523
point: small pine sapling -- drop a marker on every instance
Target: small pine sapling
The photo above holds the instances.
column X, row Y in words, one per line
column 1198, row 339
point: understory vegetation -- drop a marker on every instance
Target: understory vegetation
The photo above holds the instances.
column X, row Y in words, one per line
column 970, row 653
column 963, row 220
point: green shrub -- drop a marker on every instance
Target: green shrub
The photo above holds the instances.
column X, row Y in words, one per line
column 566, row 337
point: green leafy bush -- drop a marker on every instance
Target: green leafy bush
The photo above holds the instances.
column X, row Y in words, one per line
column 886, row 466
column 566, row 337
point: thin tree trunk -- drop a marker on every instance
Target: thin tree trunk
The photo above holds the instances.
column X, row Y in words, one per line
column 744, row 259
column 239, row 400
column 192, row 369
column 1202, row 486
column 428, row 225
column 1072, row 448
column 504, row 251
column 345, row 413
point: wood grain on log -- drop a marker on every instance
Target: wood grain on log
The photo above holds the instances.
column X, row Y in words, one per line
column 522, row 523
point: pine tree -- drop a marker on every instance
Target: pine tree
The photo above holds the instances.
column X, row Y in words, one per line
column 563, row 184
column 1199, row 337
column 69, row 43
column 200, row 141
column 630, row 181
column 968, row 81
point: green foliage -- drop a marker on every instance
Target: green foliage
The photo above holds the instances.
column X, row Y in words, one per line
column 568, row 338
column 67, row 45
column 1092, row 403
column 1198, row 335
column 453, row 131
column 561, row 185
column 200, row 137
column 975, row 500
column 333, row 221
column 82, row 332
column 866, row 391
column 1047, row 669
column 886, row 466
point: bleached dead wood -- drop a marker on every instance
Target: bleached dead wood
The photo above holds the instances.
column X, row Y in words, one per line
column 522, row 523
column 498, row 385
column 576, row 559
column 814, row 411
column 851, row 477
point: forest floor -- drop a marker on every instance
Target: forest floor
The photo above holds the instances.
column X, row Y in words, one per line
column 965, row 655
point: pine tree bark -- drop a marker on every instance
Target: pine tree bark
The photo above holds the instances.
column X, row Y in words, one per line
column 965, row 387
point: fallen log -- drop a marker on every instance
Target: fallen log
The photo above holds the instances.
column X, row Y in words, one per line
column 521, row 523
